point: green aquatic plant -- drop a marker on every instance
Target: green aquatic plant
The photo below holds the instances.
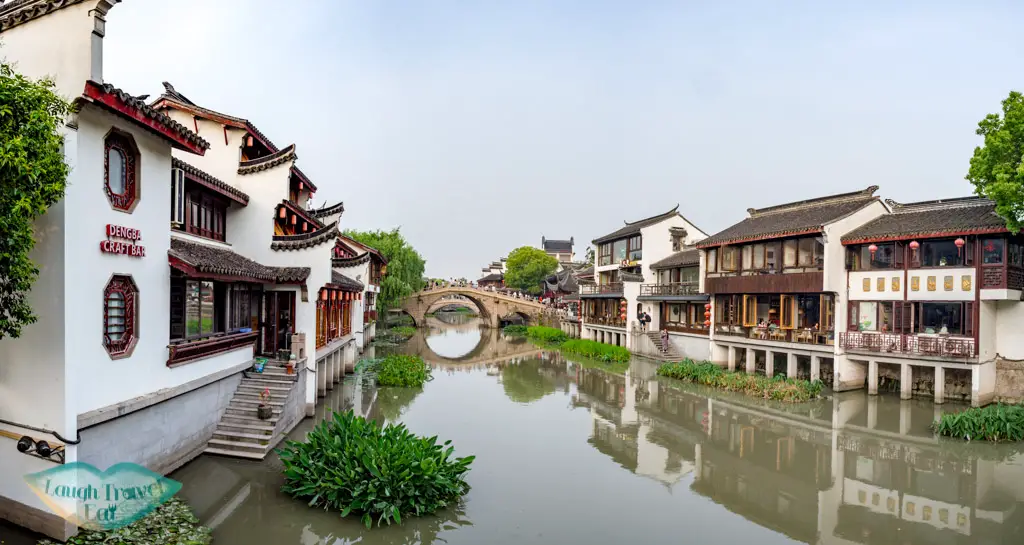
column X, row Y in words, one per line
column 381, row 474
column 595, row 350
column 403, row 331
column 544, row 334
column 170, row 524
column 514, row 330
column 996, row 423
column 401, row 370
column 776, row 388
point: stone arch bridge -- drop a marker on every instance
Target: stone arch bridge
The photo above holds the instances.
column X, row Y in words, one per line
column 491, row 306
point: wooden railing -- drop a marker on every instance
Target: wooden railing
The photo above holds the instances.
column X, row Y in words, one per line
column 193, row 350
column 673, row 288
column 612, row 322
column 801, row 335
column 921, row 345
column 369, row 316
column 679, row 328
column 601, row 289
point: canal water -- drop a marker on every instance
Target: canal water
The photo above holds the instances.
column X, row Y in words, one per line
column 576, row 452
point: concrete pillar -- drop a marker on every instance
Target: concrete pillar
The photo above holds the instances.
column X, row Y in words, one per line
column 906, row 381
column 940, row 385
column 339, row 373
column 983, row 384
column 873, row 377
column 750, row 361
column 815, row 367
column 872, row 413
column 730, row 353
column 321, row 377
column 698, row 462
column 905, row 412
column 331, row 364
column 791, row 370
column 769, row 363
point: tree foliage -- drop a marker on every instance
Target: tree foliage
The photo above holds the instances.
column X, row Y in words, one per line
column 405, row 265
column 33, row 176
column 996, row 170
column 590, row 255
column 527, row 268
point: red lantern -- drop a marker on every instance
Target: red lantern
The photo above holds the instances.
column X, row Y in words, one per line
column 707, row 314
column 707, row 306
column 300, row 186
column 959, row 245
column 914, row 245
column 872, row 249
column 284, row 213
column 323, row 294
column 334, row 296
column 707, row 323
column 295, row 220
column 305, row 226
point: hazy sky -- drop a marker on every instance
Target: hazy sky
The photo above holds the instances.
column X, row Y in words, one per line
column 480, row 126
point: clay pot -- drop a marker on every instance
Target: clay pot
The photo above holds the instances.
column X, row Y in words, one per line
column 264, row 412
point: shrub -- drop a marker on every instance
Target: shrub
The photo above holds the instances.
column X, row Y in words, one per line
column 356, row 466
column 401, row 370
column 992, row 423
column 170, row 524
column 515, row 330
column 403, row 331
column 596, row 350
column 546, row 334
column 776, row 388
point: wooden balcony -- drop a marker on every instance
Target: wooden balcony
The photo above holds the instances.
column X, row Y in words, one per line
column 940, row 346
column 612, row 289
column 799, row 336
column 1002, row 277
column 803, row 282
column 610, row 322
column 186, row 351
column 669, row 290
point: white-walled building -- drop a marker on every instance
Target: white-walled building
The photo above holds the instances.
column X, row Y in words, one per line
column 624, row 258
column 562, row 250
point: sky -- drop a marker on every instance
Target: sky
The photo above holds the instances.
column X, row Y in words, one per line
column 478, row 127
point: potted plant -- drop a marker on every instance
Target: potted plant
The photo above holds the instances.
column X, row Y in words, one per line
column 263, row 411
column 290, row 366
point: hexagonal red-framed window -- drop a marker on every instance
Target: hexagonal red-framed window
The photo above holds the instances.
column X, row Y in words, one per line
column 120, row 316
column 121, row 170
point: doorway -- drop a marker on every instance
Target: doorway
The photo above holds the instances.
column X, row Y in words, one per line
column 278, row 321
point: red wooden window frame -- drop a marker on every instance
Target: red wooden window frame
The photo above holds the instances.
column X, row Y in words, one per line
column 124, row 287
column 205, row 215
column 123, row 143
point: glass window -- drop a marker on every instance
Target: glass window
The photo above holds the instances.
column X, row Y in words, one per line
column 771, row 252
column 116, row 174
column 619, row 250
column 675, row 314
column 635, row 248
column 789, row 253
column 885, row 317
column 747, row 260
column 883, row 258
column 689, row 274
column 758, row 257
column 940, row 253
column 808, row 311
column 992, row 251
column 119, row 316
column 605, row 251
column 730, row 256
column 867, row 316
column 940, row 318
column 806, row 257
column 712, row 260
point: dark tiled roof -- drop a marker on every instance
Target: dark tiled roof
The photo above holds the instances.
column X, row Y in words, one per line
column 557, row 246
column 634, row 227
column 268, row 161
column 171, row 95
column 967, row 215
column 212, row 260
column 144, row 111
column 345, row 282
column 682, row 258
column 802, row 217
column 209, row 181
column 563, row 281
column 16, row 12
column 630, row 277
column 305, row 240
column 586, row 271
column 493, row 277
column 302, row 177
column 325, row 210
column 304, row 214
column 350, row 261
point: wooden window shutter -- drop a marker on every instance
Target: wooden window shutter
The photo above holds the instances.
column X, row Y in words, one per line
column 969, row 251
column 899, row 255
column 897, row 317
column 851, row 322
column 969, row 328
column 749, row 310
column 908, row 318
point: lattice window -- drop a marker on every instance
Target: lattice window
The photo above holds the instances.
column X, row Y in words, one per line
column 120, row 170
column 120, row 316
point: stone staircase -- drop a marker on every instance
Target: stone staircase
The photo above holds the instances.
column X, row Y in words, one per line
column 671, row 356
column 240, row 433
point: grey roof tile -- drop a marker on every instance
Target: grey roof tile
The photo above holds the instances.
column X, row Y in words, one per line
column 966, row 215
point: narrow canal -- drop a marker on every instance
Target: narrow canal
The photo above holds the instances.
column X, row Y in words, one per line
column 573, row 452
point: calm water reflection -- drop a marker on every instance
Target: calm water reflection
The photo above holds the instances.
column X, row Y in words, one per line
column 567, row 453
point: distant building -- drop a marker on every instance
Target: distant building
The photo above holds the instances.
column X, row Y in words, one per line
column 558, row 249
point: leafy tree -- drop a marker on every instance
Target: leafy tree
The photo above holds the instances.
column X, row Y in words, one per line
column 33, row 176
column 527, row 268
column 996, row 166
column 590, row 255
column 405, row 265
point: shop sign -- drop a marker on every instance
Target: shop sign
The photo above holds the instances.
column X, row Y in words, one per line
column 122, row 240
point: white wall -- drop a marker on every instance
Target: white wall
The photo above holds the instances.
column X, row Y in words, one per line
column 657, row 242
column 1009, row 340
column 696, row 347
column 70, row 60
column 940, row 293
column 835, row 258
column 858, row 293
column 989, row 319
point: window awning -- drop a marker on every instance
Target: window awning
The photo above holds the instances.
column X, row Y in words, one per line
column 203, row 261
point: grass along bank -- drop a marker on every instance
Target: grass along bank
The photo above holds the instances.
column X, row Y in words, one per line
column 581, row 347
column 996, row 423
column 402, row 370
column 514, row 330
column 709, row 374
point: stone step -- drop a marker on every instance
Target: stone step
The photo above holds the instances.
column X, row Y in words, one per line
column 235, row 453
column 242, row 445
column 262, row 427
column 256, row 387
column 236, row 435
column 273, row 374
column 246, row 417
column 253, row 395
column 255, row 401
column 262, row 382
column 249, row 412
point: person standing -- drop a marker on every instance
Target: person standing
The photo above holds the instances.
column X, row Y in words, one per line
column 664, row 340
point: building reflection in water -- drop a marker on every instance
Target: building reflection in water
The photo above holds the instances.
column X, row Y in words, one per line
column 855, row 469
